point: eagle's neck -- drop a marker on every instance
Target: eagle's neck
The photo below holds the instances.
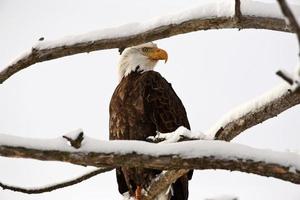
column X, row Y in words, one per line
column 137, row 63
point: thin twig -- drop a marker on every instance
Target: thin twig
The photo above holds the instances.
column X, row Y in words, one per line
column 293, row 21
column 76, row 143
column 285, row 77
column 237, row 11
column 55, row 186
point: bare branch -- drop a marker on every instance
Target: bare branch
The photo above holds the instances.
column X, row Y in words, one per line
column 50, row 188
column 76, row 143
column 289, row 14
column 169, row 159
column 38, row 54
column 162, row 182
column 237, row 11
column 285, row 76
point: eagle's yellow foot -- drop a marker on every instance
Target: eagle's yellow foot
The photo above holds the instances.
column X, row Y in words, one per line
column 138, row 193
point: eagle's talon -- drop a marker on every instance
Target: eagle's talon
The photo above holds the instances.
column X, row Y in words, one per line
column 157, row 134
column 138, row 193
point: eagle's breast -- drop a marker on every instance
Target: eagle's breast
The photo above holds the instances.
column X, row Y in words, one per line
column 128, row 111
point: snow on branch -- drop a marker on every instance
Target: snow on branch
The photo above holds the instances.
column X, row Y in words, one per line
column 201, row 154
column 213, row 15
column 161, row 182
column 179, row 135
column 250, row 114
column 265, row 107
column 260, row 109
column 49, row 188
column 255, row 112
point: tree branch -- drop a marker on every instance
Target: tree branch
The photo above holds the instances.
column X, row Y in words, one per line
column 227, row 132
column 75, row 142
column 230, row 127
column 285, row 76
column 290, row 16
column 206, row 155
column 237, row 11
column 162, row 182
column 50, row 188
column 44, row 51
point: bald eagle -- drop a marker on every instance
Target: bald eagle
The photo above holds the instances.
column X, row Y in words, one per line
column 142, row 104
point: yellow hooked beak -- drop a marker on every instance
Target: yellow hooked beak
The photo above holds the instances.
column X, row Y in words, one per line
column 158, row 54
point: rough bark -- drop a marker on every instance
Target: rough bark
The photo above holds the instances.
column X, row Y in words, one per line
column 161, row 162
column 160, row 183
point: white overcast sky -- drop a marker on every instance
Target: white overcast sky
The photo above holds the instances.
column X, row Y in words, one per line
column 212, row 72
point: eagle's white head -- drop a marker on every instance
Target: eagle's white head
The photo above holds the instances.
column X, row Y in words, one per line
column 140, row 58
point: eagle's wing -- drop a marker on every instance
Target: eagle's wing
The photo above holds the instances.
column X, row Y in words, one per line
column 168, row 113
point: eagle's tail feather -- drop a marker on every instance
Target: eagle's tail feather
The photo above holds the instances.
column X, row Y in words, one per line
column 180, row 189
column 138, row 193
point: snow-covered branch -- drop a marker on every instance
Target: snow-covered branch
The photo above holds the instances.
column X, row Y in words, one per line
column 255, row 112
column 202, row 154
column 161, row 182
column 216, row 15
column 181, row 157
column 261, row 108
column 232, row 124
column 55, row 186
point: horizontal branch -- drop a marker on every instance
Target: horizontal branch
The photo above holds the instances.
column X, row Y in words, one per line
column 184, row 155
column 56, row 186
column 44, row 51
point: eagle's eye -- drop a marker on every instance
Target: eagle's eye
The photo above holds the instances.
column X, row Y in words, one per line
column 146, row 49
